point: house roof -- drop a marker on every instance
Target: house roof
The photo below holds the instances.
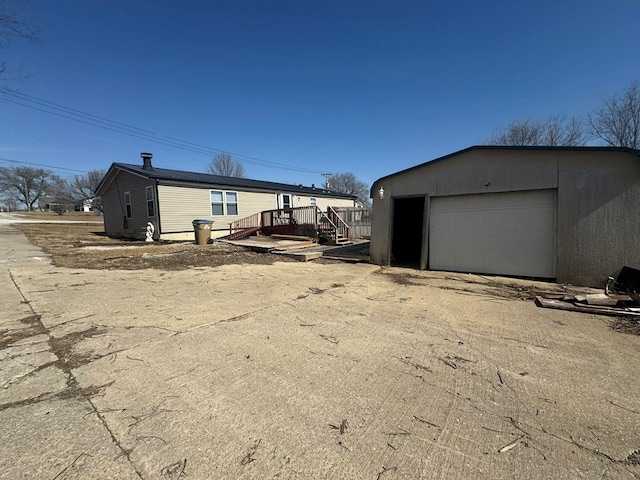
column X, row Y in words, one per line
column 180, row 176
column 506, row 148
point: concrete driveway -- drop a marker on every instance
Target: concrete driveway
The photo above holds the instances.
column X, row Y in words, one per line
column 303, row 370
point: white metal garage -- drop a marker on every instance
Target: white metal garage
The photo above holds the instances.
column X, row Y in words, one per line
column 511, row 233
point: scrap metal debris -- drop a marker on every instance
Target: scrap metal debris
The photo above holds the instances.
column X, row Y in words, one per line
column 574, row 304
column 621, row 297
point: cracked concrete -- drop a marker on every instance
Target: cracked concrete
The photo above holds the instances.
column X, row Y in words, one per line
column 303, row 371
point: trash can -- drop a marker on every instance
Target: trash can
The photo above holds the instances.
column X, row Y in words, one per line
column 202, row 229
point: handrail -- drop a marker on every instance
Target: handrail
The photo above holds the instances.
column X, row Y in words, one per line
column 342, row 229
column 245, row 226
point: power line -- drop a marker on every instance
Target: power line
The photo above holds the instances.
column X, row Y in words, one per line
column 9, row 160
column 69, row 113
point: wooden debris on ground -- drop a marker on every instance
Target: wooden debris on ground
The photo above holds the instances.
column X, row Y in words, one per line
column 613, row 304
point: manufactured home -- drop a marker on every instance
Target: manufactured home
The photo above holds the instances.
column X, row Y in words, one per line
column 133, row 195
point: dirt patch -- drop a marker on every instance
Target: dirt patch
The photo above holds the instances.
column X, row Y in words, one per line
column 477, row 285
column 81, row 245
column 63, row 348
column 35, row 327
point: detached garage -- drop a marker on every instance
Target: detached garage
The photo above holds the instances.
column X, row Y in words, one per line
column 564, row 213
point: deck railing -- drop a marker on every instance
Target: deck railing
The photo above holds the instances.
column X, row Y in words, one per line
column 294, row 221
column 245, row 226
column 290, row 216
column 358, row 219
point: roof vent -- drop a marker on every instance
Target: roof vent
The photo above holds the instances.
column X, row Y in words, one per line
column 146, row 160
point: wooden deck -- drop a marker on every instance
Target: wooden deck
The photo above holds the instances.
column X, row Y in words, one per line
column 304, row 249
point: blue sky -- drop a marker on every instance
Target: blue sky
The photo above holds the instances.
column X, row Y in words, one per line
column 368, row 87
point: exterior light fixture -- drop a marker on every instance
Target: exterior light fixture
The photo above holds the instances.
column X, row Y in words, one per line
column 381, row 193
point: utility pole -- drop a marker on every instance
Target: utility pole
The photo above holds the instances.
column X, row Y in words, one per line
column 326, row 180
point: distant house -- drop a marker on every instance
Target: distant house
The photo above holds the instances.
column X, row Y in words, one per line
column 565, row 213
column 52, row 204
column 133, row 195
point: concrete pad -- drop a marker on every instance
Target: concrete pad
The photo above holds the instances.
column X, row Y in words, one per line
column 301, row 370
column 62, row 439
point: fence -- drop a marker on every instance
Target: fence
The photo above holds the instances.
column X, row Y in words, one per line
column 358, row 219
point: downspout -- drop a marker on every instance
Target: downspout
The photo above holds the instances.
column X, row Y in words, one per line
column 157, row 200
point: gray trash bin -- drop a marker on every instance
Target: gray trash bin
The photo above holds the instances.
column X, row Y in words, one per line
column 202, row 229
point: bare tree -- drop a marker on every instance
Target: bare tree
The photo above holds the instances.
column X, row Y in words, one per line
column 223, row 164
column 518, row 133
column 348, row 183
column 617, row 122
column 26, row 185
column 14, row 27
column 80, row 189
column 558, row 130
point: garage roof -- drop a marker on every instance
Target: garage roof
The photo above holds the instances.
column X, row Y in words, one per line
column 508, row 147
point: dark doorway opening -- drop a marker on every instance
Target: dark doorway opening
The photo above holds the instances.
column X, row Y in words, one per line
column 406, row 240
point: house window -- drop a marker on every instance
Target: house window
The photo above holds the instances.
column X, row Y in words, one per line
column 313, row 201
column 232, row 203
column 285, row 200
column 150, row 204
column 224, row 203
column 217, row 202
column 127, row 203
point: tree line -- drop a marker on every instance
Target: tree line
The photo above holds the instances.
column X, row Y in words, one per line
column 616, row 123
column 27, row 188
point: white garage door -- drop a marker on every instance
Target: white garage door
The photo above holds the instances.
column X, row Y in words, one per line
column 510, row 233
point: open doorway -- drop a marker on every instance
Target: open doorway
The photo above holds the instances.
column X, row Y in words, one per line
column 406, row 239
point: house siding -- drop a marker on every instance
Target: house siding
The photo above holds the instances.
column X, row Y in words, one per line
column 598, row 193
column 114, row 207
column 323, row 202
column 180, row 205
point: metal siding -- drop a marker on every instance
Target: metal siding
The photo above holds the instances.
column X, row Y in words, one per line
column 114, row 207
column 501, row 233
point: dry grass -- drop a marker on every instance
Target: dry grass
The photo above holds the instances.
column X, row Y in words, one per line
column 67, row 216
column 82, row 245
column 626, row 325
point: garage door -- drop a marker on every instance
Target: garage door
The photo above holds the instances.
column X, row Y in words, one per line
column 510, row 233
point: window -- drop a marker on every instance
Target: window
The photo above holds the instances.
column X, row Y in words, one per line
column 150, row 204
column 232, row 203
column 313, row 201
column 217, row 202
column 284, row 200
column 224, row 203
column 127, row 203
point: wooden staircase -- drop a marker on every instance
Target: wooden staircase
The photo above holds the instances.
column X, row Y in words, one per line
column 332, row 228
